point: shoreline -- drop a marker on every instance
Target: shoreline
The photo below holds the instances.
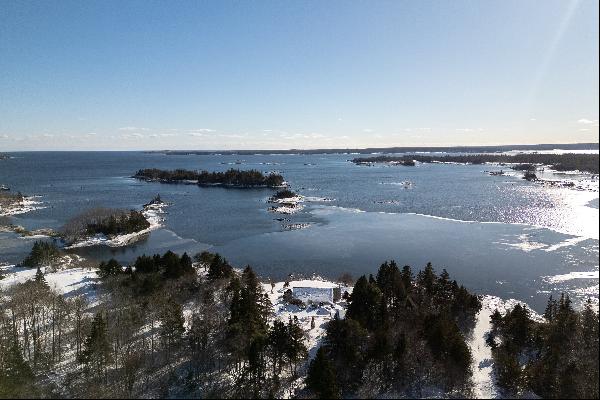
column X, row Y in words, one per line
column 152, row 212
column 27, row 204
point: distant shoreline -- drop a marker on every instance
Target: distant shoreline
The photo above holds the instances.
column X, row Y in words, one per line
column 394, row 149
column 403, row 149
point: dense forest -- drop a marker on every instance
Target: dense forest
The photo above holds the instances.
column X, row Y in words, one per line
column 231, row 177
column 402, row 334
column 553, row 358
column 559, row 162
column 180, row 326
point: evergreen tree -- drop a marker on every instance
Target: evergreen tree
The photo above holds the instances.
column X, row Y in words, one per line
column 110, row 268
column 295, row 348
column 365, row 303
column 96, row 353
column 426, row 279
column 40, row 277
column 320, row 378
column 389, row 280
column 171, row 324
column 16, row 377
column 219, row 268
column 145, row 264
column 278, row 344
column 407, row 277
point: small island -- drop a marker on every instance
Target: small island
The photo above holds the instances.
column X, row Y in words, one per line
column 16, row 203
column 112, row 227
column 234, row 178
column 286, row 202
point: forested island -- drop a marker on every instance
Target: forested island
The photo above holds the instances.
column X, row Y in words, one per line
column 178, row 326
column 559, row 162
column 110, row 226
column 230, row 178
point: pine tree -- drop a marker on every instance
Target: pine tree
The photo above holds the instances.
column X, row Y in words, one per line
column 407, row 277
column 110, row 268
column 40, row 277
column 219, row 268
column 278, row 343
column 321, row 377
column 16, row 377
column 295, row 349
column 171, row 324
column 426, row 279
column 96, row 353
column 365, row 303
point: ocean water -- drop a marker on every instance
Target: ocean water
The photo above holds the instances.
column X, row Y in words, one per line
column 498, row 235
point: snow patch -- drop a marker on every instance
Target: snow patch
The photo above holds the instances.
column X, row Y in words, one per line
column 152, row 212
column 26, row 205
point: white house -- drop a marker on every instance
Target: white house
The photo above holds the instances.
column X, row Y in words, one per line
column 313, row 294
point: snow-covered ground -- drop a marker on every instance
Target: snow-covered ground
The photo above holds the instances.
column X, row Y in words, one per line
column 287, row 205
column 291, row 205
column 152, row 212
column 66, row 277
column 484, row 386
column 26, row 205
column 72, row 280
column 321, row 312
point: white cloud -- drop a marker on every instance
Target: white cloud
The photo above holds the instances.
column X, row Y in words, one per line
column 91, row 133
column 202, row 130
column 134, row 135
column 367, row 130
column 585, row 121
column 132, row 128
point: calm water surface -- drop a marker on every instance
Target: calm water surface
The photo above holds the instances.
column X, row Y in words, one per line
column 496, row 234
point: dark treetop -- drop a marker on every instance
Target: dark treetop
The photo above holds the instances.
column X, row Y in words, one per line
column 231, row 177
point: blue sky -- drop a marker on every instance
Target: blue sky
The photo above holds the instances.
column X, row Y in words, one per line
column 296, row 74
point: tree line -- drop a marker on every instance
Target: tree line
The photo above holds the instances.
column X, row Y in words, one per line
column 231, row 177
column 559, row 162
